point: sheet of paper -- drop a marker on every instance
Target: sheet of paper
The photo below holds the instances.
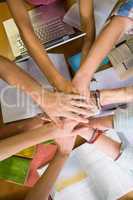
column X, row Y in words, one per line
column 109, row 79
column 15, row 104
column 105, row 181
column 122, row 60
column 102, row 10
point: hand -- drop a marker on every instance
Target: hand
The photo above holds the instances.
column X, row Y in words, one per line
column 70, row 106
column 81, row 88
column 66, row 141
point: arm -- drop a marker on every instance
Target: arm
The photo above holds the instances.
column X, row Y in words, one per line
column 19, row 127
column 101, row 47
column 103, row 143
column 33, row 44
column 88, row 25
column 120, row 95
column 15, row 144
column 43, row 187
column 55, row 104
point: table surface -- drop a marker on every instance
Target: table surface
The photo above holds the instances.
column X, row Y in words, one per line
column 10, row 191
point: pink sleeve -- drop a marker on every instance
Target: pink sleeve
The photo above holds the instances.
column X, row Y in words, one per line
column 40, row 2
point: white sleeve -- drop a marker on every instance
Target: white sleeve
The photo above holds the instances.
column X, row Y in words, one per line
column 123, row 119
column 125, row 161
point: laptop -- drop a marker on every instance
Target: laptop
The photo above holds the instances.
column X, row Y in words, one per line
column 49, row 27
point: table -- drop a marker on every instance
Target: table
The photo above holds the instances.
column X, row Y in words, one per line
column 10, row 190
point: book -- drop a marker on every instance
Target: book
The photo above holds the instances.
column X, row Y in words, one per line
column 15, row 169
column 90, row 174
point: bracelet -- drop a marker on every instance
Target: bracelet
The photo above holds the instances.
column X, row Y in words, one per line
column 96, row 134
column 97, row 98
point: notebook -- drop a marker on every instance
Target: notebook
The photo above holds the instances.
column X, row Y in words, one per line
column 15, row 169
column 90, row 174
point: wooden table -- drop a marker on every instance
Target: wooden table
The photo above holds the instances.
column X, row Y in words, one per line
column 10, row 191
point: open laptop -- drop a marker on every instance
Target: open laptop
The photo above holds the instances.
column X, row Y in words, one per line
column 48, row 25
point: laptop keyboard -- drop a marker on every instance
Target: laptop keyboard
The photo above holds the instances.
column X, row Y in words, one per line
column 51, row 30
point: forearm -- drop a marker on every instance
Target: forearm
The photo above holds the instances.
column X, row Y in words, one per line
column 20, row 79
column 101, row 47
column 108, row 146
column 19, row 127
column 15, row 144
column 43, row 187
column 88, row 25
column 103, row 143
column 120, row 95
column 32, row 43
column 40, row 56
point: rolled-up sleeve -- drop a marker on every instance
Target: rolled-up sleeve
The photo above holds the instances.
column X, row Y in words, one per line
column 123, row 124
column 125, row 161
column 123, row 119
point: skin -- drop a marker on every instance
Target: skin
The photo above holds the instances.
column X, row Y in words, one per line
column 88, row 25
column 106, row 39
column 54, row 104
column 43, row 187
column 37, row 51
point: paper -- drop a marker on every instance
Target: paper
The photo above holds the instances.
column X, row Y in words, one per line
column 108, row 79
column 102, row 10
column 15, row 104
column 42, row 170
column 105, row 181
column 122, row 60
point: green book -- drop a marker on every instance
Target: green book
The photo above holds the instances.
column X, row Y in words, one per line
column 15, row 169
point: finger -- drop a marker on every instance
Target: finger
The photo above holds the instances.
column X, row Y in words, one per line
column 76, row 97
column 88, row 96
column 79, row 104
column 75, row 117
column 79, row 111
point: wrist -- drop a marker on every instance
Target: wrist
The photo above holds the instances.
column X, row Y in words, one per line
column 112, row 96
column 81, row 77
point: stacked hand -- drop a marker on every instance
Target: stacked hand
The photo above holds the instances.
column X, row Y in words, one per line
column 66, row 140
column 71, row 106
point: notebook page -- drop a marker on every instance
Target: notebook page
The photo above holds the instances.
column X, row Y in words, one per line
column 105, row 180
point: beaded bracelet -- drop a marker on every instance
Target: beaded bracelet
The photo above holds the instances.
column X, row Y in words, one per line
column 96, row 134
